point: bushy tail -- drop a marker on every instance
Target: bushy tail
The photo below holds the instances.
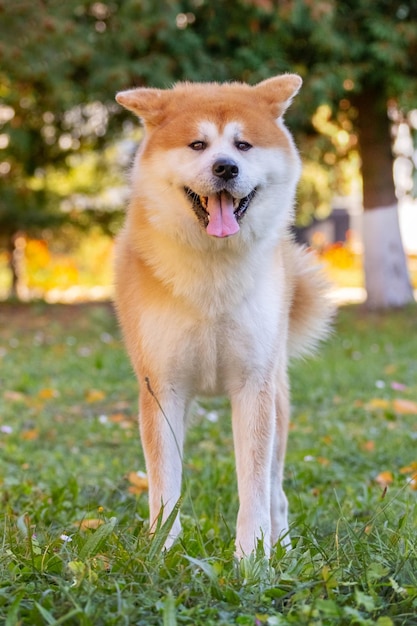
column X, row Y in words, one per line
column 311, row 307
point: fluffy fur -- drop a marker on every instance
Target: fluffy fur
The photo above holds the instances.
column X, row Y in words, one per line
column 211, row 292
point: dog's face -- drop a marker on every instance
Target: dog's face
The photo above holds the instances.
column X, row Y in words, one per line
column 217, row 157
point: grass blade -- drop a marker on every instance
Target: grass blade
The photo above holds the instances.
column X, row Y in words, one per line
column 162, row 532
column 169, row 613
column 93, row 543
column 13, row 611
column 49, row 619
column 205, row 567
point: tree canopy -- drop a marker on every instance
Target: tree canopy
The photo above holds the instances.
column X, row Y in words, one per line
column 62, row 62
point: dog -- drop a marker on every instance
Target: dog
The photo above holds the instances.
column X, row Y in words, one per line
column 211, row 292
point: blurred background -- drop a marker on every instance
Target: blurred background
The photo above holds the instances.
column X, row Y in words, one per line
column 66, row 146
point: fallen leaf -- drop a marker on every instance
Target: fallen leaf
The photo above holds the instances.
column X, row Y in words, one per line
column 409, row 469
column 104, row 561
column 384, row 479
column 122, row 419
column 30, row 435
column 378, row 403
column 89, row 524
column 47, row 393
column 404, row 407
column 14, row 396
column 122, row 405
column 138, row 483
column 323, row 461
column 117, row 417
column 94, row 395
column 369, row 446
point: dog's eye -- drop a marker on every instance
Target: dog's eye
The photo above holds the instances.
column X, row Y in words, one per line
column 243, row 146
column 198, row 145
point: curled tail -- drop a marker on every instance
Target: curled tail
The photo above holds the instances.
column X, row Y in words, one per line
column 311, row 308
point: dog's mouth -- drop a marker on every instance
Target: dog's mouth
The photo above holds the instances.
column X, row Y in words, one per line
column 219, row 213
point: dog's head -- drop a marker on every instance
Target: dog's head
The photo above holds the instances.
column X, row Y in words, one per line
column 220, row 150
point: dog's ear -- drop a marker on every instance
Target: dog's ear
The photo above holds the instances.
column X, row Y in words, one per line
column 148, row 104
column 279, row 91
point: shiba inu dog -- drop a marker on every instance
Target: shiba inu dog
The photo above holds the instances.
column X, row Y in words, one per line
column 211, row 292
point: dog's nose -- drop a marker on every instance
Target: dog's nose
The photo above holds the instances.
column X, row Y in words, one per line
column 225, row 168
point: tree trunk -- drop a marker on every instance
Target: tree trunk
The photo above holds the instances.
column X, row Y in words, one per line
column 16, row 252
column 387, row 278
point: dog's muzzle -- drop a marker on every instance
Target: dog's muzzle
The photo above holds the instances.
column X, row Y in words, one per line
column 219, row 213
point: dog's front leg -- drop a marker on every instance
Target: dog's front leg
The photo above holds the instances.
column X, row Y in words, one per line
column 161, row 421
column 279, row 504
column 253, row 415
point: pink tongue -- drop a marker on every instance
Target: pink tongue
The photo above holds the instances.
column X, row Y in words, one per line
column 222, row 218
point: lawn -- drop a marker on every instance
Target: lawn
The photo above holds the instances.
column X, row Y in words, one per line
column 75, row 548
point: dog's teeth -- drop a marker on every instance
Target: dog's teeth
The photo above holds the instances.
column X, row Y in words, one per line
column 203, row 201
column 236, row 203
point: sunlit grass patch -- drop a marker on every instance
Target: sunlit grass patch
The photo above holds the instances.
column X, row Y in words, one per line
column 75, row 543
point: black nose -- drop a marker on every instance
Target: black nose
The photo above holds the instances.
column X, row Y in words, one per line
column 225, row 168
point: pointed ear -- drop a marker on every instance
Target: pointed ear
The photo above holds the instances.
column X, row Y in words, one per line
column 279, row 91
column 148, row 104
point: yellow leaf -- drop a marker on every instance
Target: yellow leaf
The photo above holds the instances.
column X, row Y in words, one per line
column 89, row 524
column 404, row 407
column 323, row 461
column 384, row 478
column 327, row 439
column 30, row 435
column 138, row 483
column 47, row 393
column 409, row 469
column 95, row 395
column 378, row 403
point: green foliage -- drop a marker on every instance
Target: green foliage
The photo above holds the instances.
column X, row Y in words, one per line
column 68, row 438
column 62, row 62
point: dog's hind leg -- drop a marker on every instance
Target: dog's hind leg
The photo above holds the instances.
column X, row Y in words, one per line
column 279, row 504
column 161, row 422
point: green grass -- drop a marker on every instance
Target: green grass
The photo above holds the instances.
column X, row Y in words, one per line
column 68, row 441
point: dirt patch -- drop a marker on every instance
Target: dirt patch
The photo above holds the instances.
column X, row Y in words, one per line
column 40, row 315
